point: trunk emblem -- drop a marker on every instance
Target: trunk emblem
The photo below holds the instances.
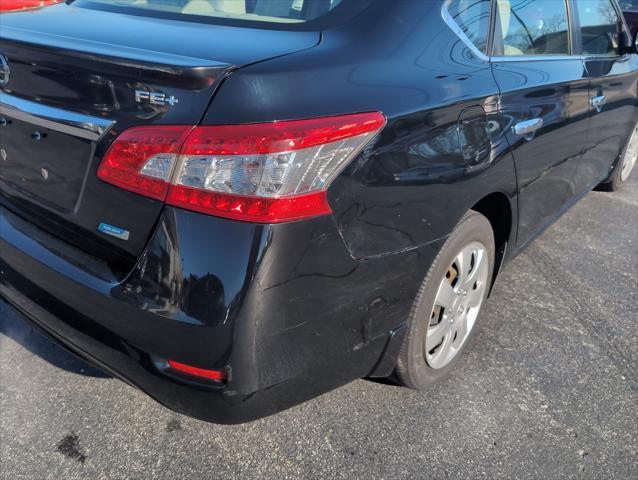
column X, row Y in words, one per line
column 155, row 98
column 4, row 70
column 113, row 231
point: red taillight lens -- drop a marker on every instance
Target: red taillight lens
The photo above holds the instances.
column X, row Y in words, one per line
column 267, row 138
column 142, row 158
column 12, row 5
column 216, row 375
column 250, row 209
column 270, row 172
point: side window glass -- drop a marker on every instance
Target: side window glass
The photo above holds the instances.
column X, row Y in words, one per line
column 532, row 27
column 599, row 27
column 473, row 16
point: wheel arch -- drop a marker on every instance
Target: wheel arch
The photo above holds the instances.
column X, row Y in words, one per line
column 497, row 208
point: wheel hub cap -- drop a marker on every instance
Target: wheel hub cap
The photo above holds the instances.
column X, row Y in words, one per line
column 457, row 304
column 629, row 159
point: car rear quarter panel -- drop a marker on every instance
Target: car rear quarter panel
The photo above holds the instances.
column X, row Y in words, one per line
column 427, row 168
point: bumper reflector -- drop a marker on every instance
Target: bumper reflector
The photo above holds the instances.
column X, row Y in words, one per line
column 216, row 375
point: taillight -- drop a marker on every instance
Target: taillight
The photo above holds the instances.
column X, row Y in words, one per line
column 267, row 172
column 142, row 159
column 13, row 5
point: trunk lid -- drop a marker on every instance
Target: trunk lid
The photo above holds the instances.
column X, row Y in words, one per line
column 79, row 77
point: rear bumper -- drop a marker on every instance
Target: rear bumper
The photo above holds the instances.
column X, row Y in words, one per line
column 283, row 309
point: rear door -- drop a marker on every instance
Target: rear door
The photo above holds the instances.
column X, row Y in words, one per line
column 613, row 88
column 544, row 104
column 77, row 77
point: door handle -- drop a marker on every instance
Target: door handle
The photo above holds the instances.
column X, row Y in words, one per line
column 527, row 127
column 599, row 103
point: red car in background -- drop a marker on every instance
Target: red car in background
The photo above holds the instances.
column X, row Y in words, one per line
column 13, row 5
column 630, row 9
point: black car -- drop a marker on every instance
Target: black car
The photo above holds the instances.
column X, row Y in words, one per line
column 238, row 205
column 630, row 10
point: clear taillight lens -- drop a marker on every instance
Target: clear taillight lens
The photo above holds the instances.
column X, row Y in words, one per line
column 271, row 172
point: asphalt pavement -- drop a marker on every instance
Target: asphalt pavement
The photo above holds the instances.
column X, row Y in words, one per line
column 549, row 389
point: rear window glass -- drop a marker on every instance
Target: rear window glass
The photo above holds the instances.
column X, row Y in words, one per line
column 278, row 11
column 629, row 4
column 532, row 27
column 599, row 26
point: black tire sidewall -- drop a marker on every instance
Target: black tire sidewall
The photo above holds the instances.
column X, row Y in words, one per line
column 412, row 368
column 614, row 182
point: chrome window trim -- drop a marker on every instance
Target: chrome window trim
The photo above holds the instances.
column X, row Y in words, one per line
column 64, row 121
column 536, row 58
column 544, row 58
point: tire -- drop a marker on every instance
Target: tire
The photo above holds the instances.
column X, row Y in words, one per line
column 624, row 165
column 419, row 365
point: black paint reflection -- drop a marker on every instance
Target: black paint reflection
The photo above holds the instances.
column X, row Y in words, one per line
column 201, row 291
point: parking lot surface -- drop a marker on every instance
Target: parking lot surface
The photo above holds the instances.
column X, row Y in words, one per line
column 549, row 389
